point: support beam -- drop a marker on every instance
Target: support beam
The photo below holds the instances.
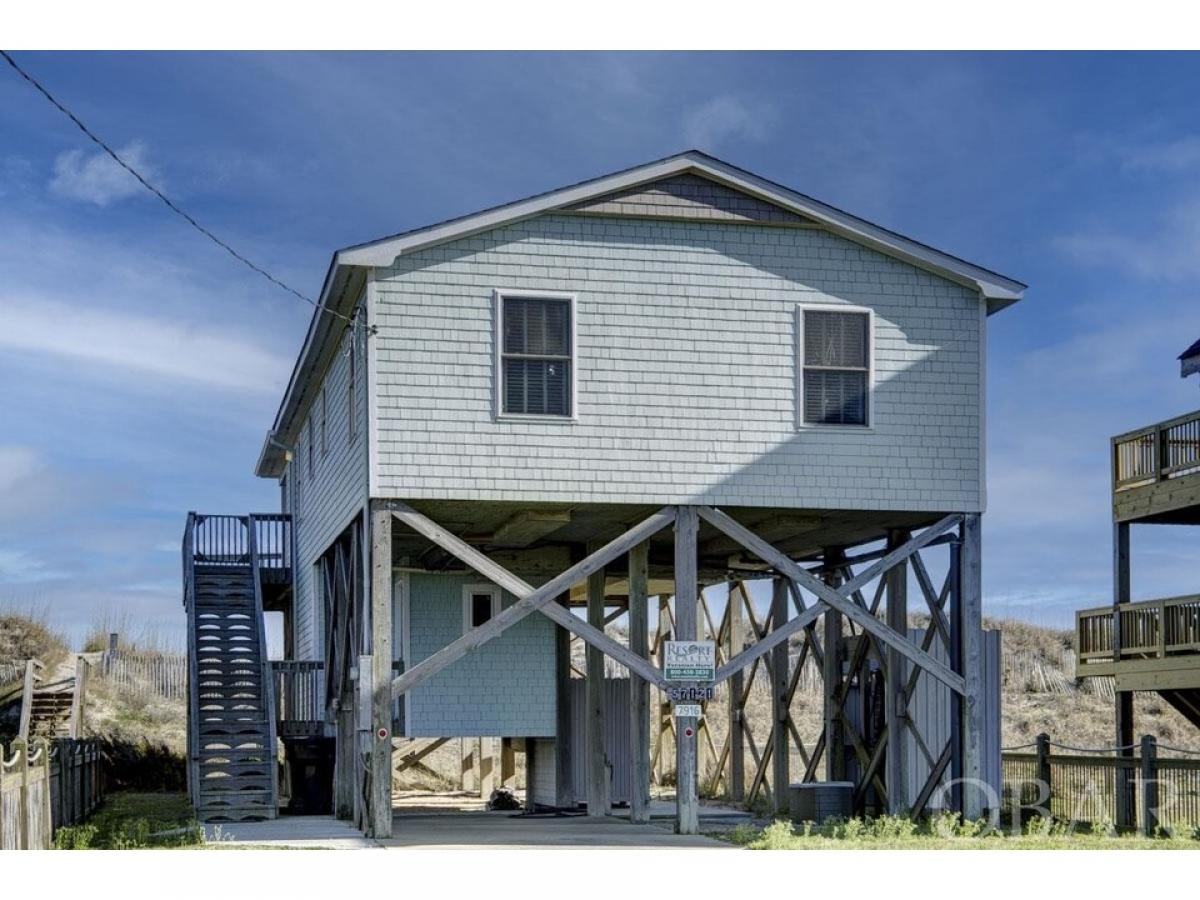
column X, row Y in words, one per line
column 784, row 565
column 597, row 762
column 737, row 686
column 639, row 690
column 380, row 812
column 564, row 783
column 1124, row 782
column 895, row 714
column 687, row 801
column 971, row 613
column 528, row 599
column 780, row 743
column 831, row 674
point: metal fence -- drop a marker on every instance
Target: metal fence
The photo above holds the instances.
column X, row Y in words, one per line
column 1146, row 787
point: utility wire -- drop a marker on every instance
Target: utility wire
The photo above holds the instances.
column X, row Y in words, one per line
column 163, row 197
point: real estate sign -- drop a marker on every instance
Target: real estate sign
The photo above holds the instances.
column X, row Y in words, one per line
column 690, row 661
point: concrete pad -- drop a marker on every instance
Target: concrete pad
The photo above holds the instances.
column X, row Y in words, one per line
column 513, row 830
column 289, row 832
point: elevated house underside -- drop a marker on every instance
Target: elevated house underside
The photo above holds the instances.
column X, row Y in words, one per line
column 834, row 590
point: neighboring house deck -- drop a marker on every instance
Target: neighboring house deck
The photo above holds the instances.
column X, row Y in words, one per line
column 1150, row 645
column 610, row 397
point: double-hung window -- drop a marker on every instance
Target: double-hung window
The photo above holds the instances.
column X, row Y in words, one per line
column 536, row 355
column 835, row 359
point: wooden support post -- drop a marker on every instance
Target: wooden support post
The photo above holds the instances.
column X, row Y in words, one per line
column 1148, row 810
column 895, row 678
column 780, row 737
column 956, row 662
column 597, row 760
column 737, row 687
column 487, row 767
column 971, row 613
column 1123, row 781
column 687, row 800
column 508, row 764
column 380, row 812
column 531, row 776
column 639, row 690
column 564, row 782
column 831, row 674
column 1044, row 774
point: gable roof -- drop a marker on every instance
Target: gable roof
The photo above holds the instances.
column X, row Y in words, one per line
column 347, row 269
column 1189, row 361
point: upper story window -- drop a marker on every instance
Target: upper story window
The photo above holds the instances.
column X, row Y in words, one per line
column 835, row 350
column 481, row 604
column 536, row 355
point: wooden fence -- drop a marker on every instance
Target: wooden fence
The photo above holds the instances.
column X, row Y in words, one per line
column 25, row 804
column 45, row 785
column 1156, row 786
column 164, row 674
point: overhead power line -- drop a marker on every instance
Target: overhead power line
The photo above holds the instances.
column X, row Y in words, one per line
column 170, row 204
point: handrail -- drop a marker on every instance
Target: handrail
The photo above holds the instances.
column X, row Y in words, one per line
column 193, row 708
column 268, row 693
column 1149, row 629
column 34, row 674
column 1158, row 452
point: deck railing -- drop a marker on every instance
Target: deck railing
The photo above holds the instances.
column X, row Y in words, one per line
column 299, row 695
column 225, row 540
column 1152, row 628
column 1156, row 453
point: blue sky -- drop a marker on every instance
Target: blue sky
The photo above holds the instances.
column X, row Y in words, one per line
column 140, row 367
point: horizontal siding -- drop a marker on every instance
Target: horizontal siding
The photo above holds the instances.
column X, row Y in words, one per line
column 686, row 371
column 324, row 504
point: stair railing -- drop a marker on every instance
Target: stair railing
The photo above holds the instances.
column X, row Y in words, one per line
column 268, row 684
column 193, row 713
column 78, row 696
column 34, row 672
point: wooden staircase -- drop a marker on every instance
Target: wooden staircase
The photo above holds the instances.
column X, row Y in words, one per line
column 233, row 769
column 53, row 709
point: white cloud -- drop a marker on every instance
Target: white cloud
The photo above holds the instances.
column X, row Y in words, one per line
column 17, row 465
column 1165, row 248
column 1175, row 156
column 143, row 345
column 96, row 178
column 19, row 567
column 725, row 118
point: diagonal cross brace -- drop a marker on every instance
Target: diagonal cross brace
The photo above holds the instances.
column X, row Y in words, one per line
column 835, row 599
column 529, row 599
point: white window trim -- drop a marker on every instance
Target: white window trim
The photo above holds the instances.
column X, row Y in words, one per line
column 801, row 425
column 471, row 589
column 498, row 413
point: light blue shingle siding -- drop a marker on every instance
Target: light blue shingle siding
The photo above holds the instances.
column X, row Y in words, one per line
column 505, row 688
column 686, row 371
column 325, row 504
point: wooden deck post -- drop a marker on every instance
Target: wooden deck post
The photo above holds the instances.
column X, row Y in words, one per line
column 564, row 783
column 687, row 802
column 971, row 613
column 781, row 738
column 831, row 673
column 895, row 678
column 597, row 761
column 737, row 686
column 1123, row 780
column 508, row 764
column 639, row 690
column 379, row 820
column 1148, row 817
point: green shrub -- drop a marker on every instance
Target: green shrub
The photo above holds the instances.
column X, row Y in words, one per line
column 75, row 837
column 776, row 836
